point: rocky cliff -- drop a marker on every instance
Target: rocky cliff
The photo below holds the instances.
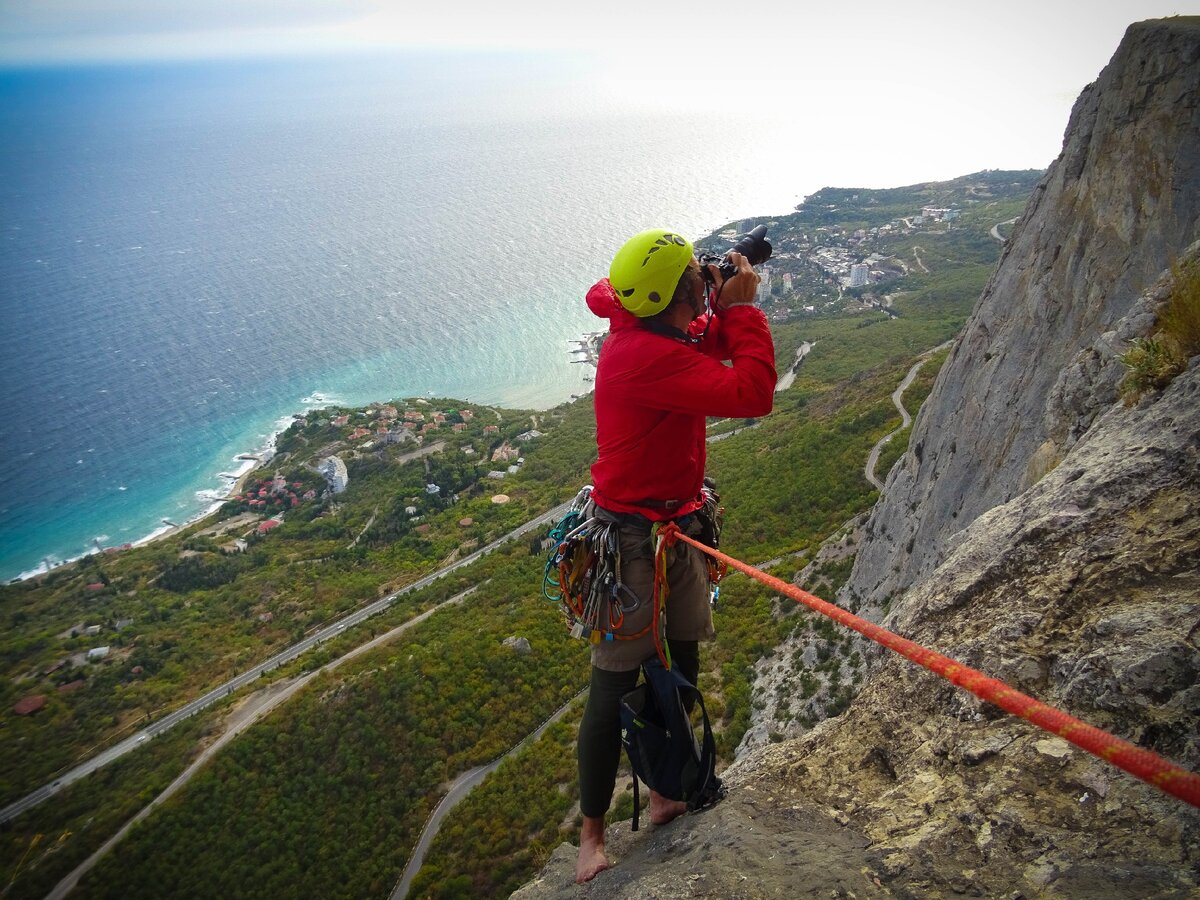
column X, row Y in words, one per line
column 1038, row 529
column 1116, row 208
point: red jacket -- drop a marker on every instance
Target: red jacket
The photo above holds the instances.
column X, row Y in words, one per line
column 653, row 394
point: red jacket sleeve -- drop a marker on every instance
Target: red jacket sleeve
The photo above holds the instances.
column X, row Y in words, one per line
column 674, row 377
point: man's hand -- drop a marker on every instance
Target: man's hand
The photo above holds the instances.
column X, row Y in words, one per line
column 741, row 288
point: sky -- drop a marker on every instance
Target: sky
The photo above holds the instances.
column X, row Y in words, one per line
column 966, row 85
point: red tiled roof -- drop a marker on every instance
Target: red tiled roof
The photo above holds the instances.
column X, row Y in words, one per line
column 30, row 704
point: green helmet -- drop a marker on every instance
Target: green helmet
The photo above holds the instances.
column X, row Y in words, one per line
column 647, row 268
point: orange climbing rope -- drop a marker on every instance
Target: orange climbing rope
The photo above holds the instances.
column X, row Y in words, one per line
column 1148, row 766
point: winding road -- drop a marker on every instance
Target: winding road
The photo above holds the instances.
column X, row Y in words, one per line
column 995, row 232
column 463, row 785
column 905, row 418
column 917, row 257
column 789, row 376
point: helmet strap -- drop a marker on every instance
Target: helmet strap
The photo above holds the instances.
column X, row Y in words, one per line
column 658, row 326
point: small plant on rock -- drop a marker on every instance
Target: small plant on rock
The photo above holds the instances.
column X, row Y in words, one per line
column 1154, row 361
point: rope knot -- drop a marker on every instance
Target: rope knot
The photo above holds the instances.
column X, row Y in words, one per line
column 669, row 532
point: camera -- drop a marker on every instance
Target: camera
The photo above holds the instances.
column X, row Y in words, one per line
column 754, row 246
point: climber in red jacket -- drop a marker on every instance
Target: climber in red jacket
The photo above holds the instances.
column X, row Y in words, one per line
column 659, row 376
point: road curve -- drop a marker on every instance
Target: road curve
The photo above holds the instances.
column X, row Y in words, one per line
column 995, row 232
column 905, row 418
column 463, row 785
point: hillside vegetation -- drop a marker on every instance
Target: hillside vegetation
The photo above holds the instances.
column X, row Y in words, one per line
column 327, row 796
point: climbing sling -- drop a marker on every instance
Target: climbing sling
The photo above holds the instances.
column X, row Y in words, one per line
column 658, row 736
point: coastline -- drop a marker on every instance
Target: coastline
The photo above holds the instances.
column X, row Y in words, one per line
column 235, row 487
column 263, row 455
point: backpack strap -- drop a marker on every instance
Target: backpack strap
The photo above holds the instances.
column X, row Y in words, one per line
column 637, row 803
column 710, row 789
column 661, row 743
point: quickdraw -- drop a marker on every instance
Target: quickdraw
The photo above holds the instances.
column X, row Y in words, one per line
column 583, row 571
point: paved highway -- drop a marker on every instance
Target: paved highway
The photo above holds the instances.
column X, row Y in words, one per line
column 172, row 719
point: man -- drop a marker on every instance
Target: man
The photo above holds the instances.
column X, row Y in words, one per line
column 659, row 376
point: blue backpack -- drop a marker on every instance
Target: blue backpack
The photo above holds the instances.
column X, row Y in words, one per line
column 661, row 743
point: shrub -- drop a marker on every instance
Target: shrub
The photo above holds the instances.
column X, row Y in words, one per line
column 1154, row 361
column 1152, row 364
column 1180, row 320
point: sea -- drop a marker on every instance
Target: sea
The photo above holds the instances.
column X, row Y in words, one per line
column 192, row 253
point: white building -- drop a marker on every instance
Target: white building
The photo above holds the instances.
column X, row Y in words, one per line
column 397, row 436
column 335, row 473
column 764, row 285
column 859, row 275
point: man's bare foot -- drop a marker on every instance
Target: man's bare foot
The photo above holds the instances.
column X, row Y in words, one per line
column 663, row 810
column 591, row 861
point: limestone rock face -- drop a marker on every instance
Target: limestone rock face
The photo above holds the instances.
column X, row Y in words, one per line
column 1026, row 376
column 1084, row 592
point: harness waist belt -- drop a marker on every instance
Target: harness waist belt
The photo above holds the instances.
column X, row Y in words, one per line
column 662, row 504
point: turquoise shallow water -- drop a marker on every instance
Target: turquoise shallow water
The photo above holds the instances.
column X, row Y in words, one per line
column 188, row 252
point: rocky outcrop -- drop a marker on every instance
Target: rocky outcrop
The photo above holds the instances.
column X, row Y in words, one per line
column 1085, row 592
column 1120, row 203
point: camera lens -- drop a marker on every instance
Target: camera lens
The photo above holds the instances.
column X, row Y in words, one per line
column 754, row 246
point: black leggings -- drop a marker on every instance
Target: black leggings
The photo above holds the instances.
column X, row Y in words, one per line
column 599, row 746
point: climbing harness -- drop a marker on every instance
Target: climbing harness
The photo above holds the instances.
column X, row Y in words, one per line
column 583, row 571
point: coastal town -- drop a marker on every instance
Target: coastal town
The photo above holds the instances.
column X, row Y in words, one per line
column 309, row 466
column 849, row 251
column 819, row 269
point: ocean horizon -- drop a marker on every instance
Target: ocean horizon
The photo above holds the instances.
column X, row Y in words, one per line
column 192, row 253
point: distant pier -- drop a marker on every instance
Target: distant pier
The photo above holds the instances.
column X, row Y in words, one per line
column 586, row 349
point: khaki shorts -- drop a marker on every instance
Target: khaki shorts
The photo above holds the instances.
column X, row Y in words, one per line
column 688, row 613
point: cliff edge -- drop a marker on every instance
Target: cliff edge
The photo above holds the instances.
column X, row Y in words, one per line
column 1119, row 204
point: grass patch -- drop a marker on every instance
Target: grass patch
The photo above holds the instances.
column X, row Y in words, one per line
column 1154, row 361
